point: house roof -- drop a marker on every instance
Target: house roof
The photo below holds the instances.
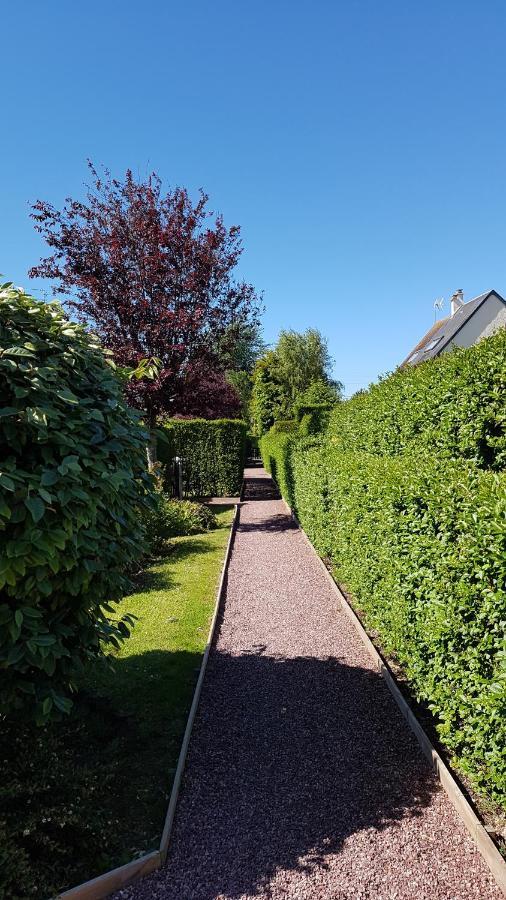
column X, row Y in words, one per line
column 444, row 331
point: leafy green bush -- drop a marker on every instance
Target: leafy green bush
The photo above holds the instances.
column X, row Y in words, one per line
column 421, row 544
column 72, row 479
column 452, row 405
column 171, row 518
column 213, row 451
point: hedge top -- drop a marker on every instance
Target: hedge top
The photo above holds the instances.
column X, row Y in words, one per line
column 454, row 405
column 213, row 452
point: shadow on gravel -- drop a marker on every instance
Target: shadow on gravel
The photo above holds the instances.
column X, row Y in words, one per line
column 277, row 522
column 289, row 758
column 260, row 489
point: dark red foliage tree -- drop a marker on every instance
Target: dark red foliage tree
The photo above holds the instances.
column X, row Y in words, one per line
column 153, row 275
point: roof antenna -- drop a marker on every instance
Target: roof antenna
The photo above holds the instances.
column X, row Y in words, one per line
column 438, row 305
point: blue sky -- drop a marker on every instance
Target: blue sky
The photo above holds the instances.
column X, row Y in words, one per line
column 360, row 145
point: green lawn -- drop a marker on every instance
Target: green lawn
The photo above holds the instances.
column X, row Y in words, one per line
column 90, row 793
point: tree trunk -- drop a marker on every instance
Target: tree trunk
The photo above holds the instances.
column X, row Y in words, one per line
column 151, row 449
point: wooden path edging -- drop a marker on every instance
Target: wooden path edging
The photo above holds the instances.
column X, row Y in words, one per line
column 110, row 882
column 479, row 834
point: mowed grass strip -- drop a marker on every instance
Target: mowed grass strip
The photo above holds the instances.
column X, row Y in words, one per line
column 89, row 793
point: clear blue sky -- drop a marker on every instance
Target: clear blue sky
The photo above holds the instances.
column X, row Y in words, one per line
column 360, row 145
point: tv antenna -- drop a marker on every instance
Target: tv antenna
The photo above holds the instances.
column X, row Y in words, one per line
column 438, row 306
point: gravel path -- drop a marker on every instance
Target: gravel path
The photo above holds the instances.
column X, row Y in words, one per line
column 303, row 780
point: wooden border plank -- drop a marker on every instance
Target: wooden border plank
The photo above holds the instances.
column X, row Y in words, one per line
column 115, row 879
column 169, row 820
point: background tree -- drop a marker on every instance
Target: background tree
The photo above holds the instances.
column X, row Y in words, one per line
column 242, row 384
column 268, row 395
column 240, row 346
column 153, row 274
column 282, row 375
column 320, row 392
column 239, row 349
column 301, row 360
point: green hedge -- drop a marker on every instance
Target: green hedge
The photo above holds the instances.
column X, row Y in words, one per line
column 276, row 451
column 421, row 545
column 313, row 418
column 406, row 496
column 284, row 426
column 72, row 483
column 213, row 451
column 454, row 404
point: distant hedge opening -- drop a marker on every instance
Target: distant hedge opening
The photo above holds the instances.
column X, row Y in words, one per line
column 405, row 492
column 213, row 451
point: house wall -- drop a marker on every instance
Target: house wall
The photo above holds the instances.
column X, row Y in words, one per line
column 485, row 321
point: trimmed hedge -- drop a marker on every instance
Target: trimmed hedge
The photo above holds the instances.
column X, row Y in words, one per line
column 405, row 495
column 284, row 426
column 213, row 451
column 453, row 405
column 276, row 451
column 313, row 418
column 72, row 482
column 421, row 545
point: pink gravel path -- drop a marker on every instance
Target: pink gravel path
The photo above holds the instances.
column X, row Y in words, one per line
column 303, row 780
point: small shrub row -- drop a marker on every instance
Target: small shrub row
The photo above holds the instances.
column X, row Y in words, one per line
column 284, row 426
column 171, row 518
column 213, row 451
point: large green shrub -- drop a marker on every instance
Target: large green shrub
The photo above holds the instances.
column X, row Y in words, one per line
column 72, row 478
column 213, row 451
column 454, row 404
column 313, row 418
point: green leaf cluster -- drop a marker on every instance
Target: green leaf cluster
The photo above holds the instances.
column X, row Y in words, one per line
column 213, row 451
column 72, row 478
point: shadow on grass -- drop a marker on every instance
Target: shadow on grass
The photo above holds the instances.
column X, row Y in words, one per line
column 152, row 579
column 88, row 793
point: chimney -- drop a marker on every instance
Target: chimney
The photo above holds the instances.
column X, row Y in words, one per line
column 457, row 301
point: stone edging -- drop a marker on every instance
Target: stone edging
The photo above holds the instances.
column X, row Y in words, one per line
column 480, row 836
column 109, row 882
